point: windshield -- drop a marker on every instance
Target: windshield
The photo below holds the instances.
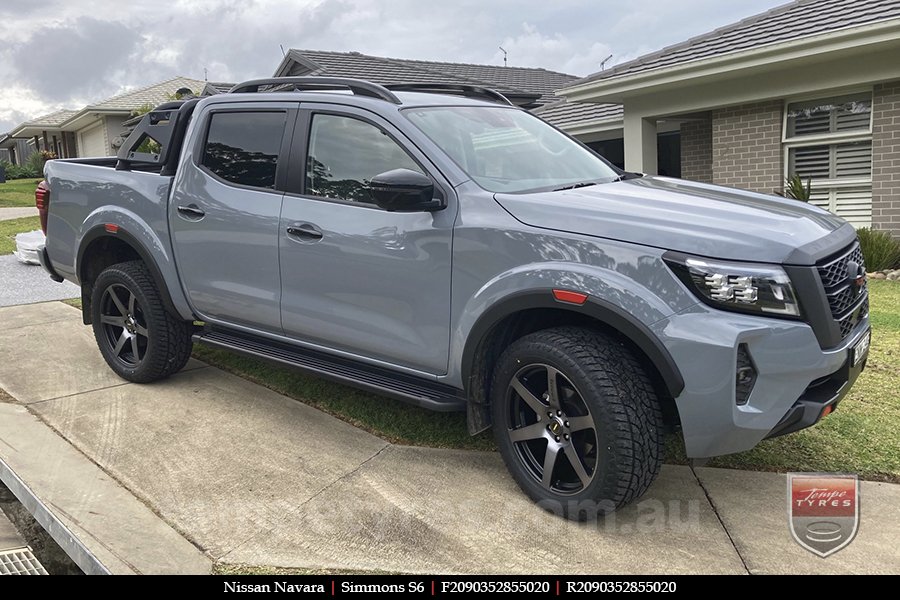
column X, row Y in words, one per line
column 507, row 150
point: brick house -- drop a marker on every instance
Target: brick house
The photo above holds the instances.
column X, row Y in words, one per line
column 93, row 130
column 809, row 88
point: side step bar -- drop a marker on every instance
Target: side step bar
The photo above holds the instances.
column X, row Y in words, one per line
column 421, row 392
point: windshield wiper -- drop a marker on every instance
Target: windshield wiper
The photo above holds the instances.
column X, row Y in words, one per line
column 628, row 175
column 573, row 186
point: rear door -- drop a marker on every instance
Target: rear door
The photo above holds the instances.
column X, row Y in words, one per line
column 225, row 209
column 357, row 278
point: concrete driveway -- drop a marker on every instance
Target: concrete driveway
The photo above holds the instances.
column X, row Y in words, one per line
column 207, row 467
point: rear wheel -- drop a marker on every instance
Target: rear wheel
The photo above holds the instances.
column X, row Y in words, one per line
column 576, row 420
column 138, row 338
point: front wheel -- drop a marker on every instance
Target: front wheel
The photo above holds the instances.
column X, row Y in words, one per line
column 577, row 421
column 137, row 337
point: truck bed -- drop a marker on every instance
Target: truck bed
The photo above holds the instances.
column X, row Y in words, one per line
column 87, row 194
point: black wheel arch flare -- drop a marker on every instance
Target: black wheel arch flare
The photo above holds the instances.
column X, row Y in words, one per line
column 597, row 309
column 99, row 232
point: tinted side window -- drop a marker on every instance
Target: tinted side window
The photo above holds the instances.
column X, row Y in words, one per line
column 345, row 153
column 242, row 147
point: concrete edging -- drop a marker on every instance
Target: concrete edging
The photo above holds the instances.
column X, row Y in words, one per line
column 70, row 544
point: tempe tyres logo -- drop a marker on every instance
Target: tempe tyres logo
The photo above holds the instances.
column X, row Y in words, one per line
column 823, row 510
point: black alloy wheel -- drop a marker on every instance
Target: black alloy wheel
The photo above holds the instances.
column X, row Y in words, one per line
column 551, row 429
column 124, row 325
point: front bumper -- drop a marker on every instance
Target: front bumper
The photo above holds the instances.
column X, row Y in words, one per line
column 819, row 400
column 796, row 379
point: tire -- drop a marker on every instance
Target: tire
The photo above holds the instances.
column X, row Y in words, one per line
column 604, row 413
column 137, row 337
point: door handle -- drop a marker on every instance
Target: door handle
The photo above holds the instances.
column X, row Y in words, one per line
column 192, row 210
column 305, row 231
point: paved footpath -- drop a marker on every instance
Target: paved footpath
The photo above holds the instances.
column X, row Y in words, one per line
column 24, row 284
column 206, row 467
column 17, row 212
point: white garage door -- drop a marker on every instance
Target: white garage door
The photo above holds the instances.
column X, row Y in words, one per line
column 92, row 142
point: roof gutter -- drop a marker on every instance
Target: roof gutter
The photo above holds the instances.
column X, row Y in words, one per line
column 89, row 110
column 615, row 89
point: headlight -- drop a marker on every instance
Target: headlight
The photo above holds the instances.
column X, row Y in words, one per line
column 742, row 287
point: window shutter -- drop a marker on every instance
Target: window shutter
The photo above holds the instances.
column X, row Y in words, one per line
column 840, row 169
column 821, row 198
column 854, row 204
column 812, row 123
column 853, row 115
column 851, row 203
column 853, row 160
column 811, row 161
column 829, row 115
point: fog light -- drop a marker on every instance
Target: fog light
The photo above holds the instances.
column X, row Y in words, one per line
column 744, row 375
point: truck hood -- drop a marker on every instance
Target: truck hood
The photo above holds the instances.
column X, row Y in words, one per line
column 689, row 217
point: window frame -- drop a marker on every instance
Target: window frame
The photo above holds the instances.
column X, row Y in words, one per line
column 819, row 139
column 296, row 185
column 828, row 139
column 281, row 170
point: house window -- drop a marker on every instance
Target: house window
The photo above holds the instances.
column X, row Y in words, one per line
column 829, row 141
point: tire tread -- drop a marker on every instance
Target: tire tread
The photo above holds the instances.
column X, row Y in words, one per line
column 630, row 404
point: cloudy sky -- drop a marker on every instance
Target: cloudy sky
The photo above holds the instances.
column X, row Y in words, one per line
column 67, row 53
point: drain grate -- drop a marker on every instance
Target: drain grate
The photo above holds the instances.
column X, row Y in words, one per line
column 20, row 561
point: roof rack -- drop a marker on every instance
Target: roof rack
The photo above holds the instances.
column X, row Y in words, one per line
column 469, row 91
column 358, row 86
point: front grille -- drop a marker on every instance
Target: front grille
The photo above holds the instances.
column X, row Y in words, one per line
column 849, row 321
column 848, row 302
column 835, row 273
column 845, row 298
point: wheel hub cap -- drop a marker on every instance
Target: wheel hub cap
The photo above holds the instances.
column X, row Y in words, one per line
column 130, row 324
column 556, row 427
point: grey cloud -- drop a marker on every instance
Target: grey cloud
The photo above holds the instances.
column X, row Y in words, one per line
column 78, row 58
column 22, row 8
column 140, row 43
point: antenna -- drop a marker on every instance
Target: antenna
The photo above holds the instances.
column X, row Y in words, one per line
column 282, row 49
column 205, row 74
column 505, row 54
column 604, row 61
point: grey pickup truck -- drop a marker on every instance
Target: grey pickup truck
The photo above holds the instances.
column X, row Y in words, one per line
column 436, row 244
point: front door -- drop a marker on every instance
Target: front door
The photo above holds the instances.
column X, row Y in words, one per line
column 225, row 211
column 356, row 278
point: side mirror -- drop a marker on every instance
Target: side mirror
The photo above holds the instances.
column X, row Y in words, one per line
column 404, row 190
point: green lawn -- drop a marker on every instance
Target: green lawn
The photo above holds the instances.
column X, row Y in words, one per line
column 385, row 417
column 862, row 436
column 9, row 229
column 17, row 192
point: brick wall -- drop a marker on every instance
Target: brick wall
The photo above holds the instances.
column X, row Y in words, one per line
column 886, row 157
column 696, row 150
column 746, row 146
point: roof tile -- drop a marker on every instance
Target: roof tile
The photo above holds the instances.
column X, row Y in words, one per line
column 385, row 71
column 797, row 19
column 565, row 114
column 154, row 94
column 53, row 119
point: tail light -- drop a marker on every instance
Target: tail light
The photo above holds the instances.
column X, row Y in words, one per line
column 42, row 202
